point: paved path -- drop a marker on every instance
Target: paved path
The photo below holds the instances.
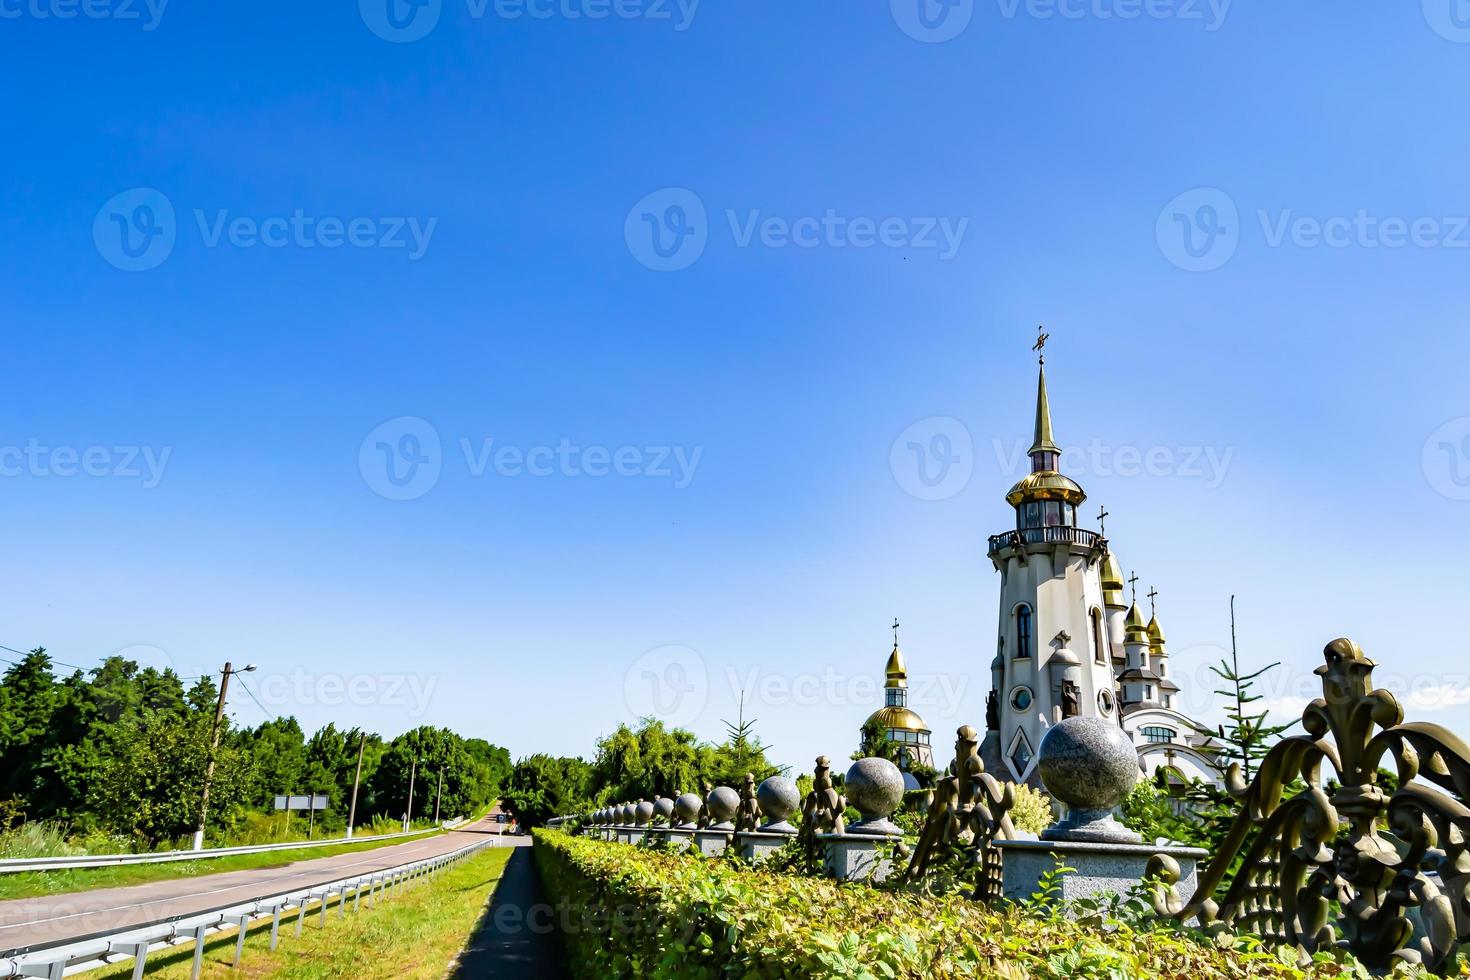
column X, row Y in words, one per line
column 51, row 920
column 517, row 939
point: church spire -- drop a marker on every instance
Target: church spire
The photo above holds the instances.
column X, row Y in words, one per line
column 1045, row 442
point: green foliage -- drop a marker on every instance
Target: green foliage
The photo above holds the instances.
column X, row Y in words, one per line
column 117, row 756
column 654, row 761
column 543, row 786
column 1032, row 811
column 634, row 913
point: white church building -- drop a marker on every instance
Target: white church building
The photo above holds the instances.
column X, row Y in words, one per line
column 1068, row 643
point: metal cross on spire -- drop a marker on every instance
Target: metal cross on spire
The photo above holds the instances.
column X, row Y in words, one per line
column 1133, row 581
column 1153, row 607
column 1040, row 346
column 895, row 631
column 1102, row 522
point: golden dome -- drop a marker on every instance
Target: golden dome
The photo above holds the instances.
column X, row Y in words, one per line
column 1155, row 635
column 1046, row 485
column 1112, row 583
column 896, row 670
column 1134, row 629
column 897, row 719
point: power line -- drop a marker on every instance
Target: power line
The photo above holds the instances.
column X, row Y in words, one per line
column 241, row 681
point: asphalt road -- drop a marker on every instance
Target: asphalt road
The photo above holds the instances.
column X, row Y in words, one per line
column 49, row 921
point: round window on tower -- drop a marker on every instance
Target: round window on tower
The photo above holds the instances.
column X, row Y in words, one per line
column 1105, row 702
column 1021, row 698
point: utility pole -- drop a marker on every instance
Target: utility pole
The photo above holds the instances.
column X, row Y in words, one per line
column 356, row 781
column 412, row 772
column 219, row 714
column 439, row 794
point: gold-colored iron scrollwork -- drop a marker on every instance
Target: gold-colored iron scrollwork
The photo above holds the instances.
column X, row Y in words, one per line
column 1346, row 864
column 971, row 809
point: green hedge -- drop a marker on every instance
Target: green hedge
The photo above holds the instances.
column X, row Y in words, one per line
column 631, row 912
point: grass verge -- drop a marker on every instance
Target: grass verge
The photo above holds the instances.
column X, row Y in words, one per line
column 31, row 884
column 415, row 935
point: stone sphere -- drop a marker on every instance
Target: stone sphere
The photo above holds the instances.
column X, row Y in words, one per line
column 875, row 787
column 723, row 803
column 625, row 814
column 663, row 808
column 779, row 798
column 1088, row 763
column 643, row 813
column 688, row 807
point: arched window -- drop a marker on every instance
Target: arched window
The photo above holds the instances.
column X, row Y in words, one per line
column 1158, row 734
column 1099, row 639
column 1023, row 631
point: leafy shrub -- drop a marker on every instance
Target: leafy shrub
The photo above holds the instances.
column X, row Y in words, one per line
column 1032, row 811
column 627, row 912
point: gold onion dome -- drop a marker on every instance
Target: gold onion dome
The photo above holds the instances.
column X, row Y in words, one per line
column 1112, row 583
column 897, row 672
column 1135, row 630
column 897, row 719
column 1155, row 635
column 1046, row 485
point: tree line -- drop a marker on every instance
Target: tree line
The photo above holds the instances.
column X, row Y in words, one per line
column 630, row 764
column 122, row 749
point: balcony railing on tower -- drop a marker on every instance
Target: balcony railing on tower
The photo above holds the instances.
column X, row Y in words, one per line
column 1059, row 534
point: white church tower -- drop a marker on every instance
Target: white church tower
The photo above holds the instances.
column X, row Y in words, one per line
column 1068, row 642
column 1055, row 644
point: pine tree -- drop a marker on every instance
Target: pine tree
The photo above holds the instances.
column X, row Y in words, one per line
column 1250, row 735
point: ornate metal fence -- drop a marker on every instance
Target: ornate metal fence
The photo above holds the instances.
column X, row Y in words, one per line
column 1346, row 861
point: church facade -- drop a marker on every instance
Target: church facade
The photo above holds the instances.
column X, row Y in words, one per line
column 1068, row 642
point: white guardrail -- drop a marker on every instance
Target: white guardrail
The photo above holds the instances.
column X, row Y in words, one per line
column 164, row 857
column 81, row 954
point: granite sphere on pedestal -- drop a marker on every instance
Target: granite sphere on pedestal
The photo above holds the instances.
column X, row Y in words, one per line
column 779, row 799
column 723, row 803
column 663, row 809
column 643, row 813
column 875, row 787
column 687, row 807
column 1091, row 765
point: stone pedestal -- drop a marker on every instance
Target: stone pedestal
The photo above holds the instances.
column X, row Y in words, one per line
column 1099, row 869
column 712, row 842
column 679, row 840
column 622, row 834
column 855, row 857
column 636, row 835
column 757, row 847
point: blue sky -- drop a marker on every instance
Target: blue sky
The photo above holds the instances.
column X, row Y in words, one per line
column 461, row 251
